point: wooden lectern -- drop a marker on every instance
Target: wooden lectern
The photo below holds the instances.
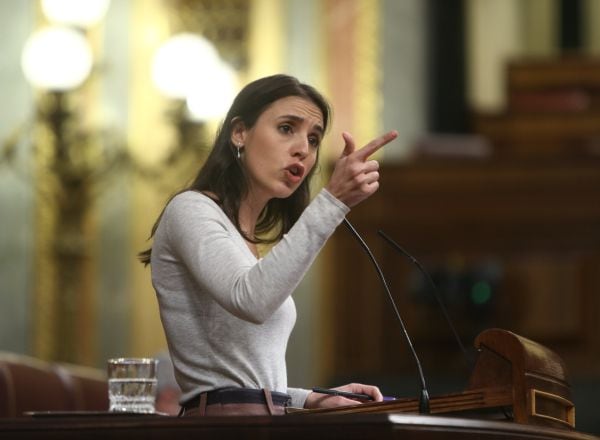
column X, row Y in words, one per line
column 514, row 378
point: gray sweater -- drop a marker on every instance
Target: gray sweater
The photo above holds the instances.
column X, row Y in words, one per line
column 228, row 316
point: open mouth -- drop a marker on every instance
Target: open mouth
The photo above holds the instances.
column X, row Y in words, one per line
column 296, row 170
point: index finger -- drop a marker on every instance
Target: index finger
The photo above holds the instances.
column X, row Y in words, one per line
column 376, row 144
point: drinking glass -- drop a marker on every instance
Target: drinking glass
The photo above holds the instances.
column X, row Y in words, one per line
column 132, row 384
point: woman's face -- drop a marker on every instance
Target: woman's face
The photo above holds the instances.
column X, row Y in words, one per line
column 281, row 148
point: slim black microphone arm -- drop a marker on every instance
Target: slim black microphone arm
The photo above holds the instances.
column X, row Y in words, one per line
column 424, row 398
column 436, row 293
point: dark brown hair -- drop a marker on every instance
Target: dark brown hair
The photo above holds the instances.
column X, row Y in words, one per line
column 223, row 175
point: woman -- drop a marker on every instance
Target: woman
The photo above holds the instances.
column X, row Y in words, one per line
column 228, row 313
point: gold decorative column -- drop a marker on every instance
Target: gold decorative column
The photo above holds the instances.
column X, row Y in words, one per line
column 67, row 158
column 63, row 289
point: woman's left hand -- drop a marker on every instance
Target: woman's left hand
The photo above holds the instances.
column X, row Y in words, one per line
column 318, row 400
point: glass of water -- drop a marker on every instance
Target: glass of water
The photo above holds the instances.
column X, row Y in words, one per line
column 132, row 384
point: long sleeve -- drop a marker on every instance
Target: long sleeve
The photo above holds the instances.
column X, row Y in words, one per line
column 227, row 316
column 219, row 261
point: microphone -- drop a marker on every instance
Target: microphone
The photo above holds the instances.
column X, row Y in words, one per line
column 436, row 293
column 424, row 397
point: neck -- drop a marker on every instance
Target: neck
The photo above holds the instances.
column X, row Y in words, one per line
column 250, row 210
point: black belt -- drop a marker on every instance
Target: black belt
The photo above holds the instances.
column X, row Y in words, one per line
column 238, row 395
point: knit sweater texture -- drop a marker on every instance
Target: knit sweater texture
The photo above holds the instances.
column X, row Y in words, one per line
column 228, row 316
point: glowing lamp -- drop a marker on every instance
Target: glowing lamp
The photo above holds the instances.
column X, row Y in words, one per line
column 56, row 58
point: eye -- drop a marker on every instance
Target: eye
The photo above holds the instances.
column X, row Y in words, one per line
column 285, row 128
column 314, row 141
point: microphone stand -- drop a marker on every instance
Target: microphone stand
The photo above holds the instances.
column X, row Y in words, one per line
column 434, row 289
column 424, row 397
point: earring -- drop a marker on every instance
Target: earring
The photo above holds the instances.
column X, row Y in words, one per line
column 239, row 155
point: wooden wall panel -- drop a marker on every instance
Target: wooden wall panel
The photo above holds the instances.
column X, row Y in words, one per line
column 531, row 230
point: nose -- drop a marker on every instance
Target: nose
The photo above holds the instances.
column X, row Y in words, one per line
column 300, row 148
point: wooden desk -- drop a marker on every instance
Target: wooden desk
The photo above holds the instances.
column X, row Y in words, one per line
column 355, row 426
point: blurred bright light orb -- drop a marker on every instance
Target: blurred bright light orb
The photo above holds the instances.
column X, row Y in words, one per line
column 181, row 62
column 212, row 98
column 56, row 58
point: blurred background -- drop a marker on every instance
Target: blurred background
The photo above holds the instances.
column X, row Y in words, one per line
column 109, row 107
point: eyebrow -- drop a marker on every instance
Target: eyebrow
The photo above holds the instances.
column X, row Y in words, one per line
column 301, row 119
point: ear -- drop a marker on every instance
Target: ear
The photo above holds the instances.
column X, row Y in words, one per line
column 238, row 131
